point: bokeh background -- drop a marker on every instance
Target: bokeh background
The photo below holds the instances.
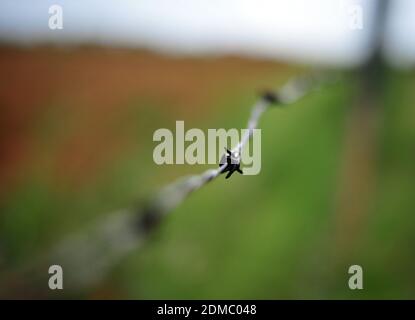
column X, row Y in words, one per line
column 336, row 188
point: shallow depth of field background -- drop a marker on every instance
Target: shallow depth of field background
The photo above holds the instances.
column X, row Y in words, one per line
column 76, row 136
column 76, row 127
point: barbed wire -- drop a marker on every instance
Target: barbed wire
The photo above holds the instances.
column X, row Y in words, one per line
column 89, row 255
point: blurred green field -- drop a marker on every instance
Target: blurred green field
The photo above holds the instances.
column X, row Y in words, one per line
column 274, row 235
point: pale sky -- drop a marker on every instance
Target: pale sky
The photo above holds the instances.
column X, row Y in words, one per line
column 307, row 31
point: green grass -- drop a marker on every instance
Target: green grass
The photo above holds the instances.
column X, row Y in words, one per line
column 264, row 236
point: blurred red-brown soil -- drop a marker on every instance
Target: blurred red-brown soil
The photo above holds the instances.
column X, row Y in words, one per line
column 86, row 90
